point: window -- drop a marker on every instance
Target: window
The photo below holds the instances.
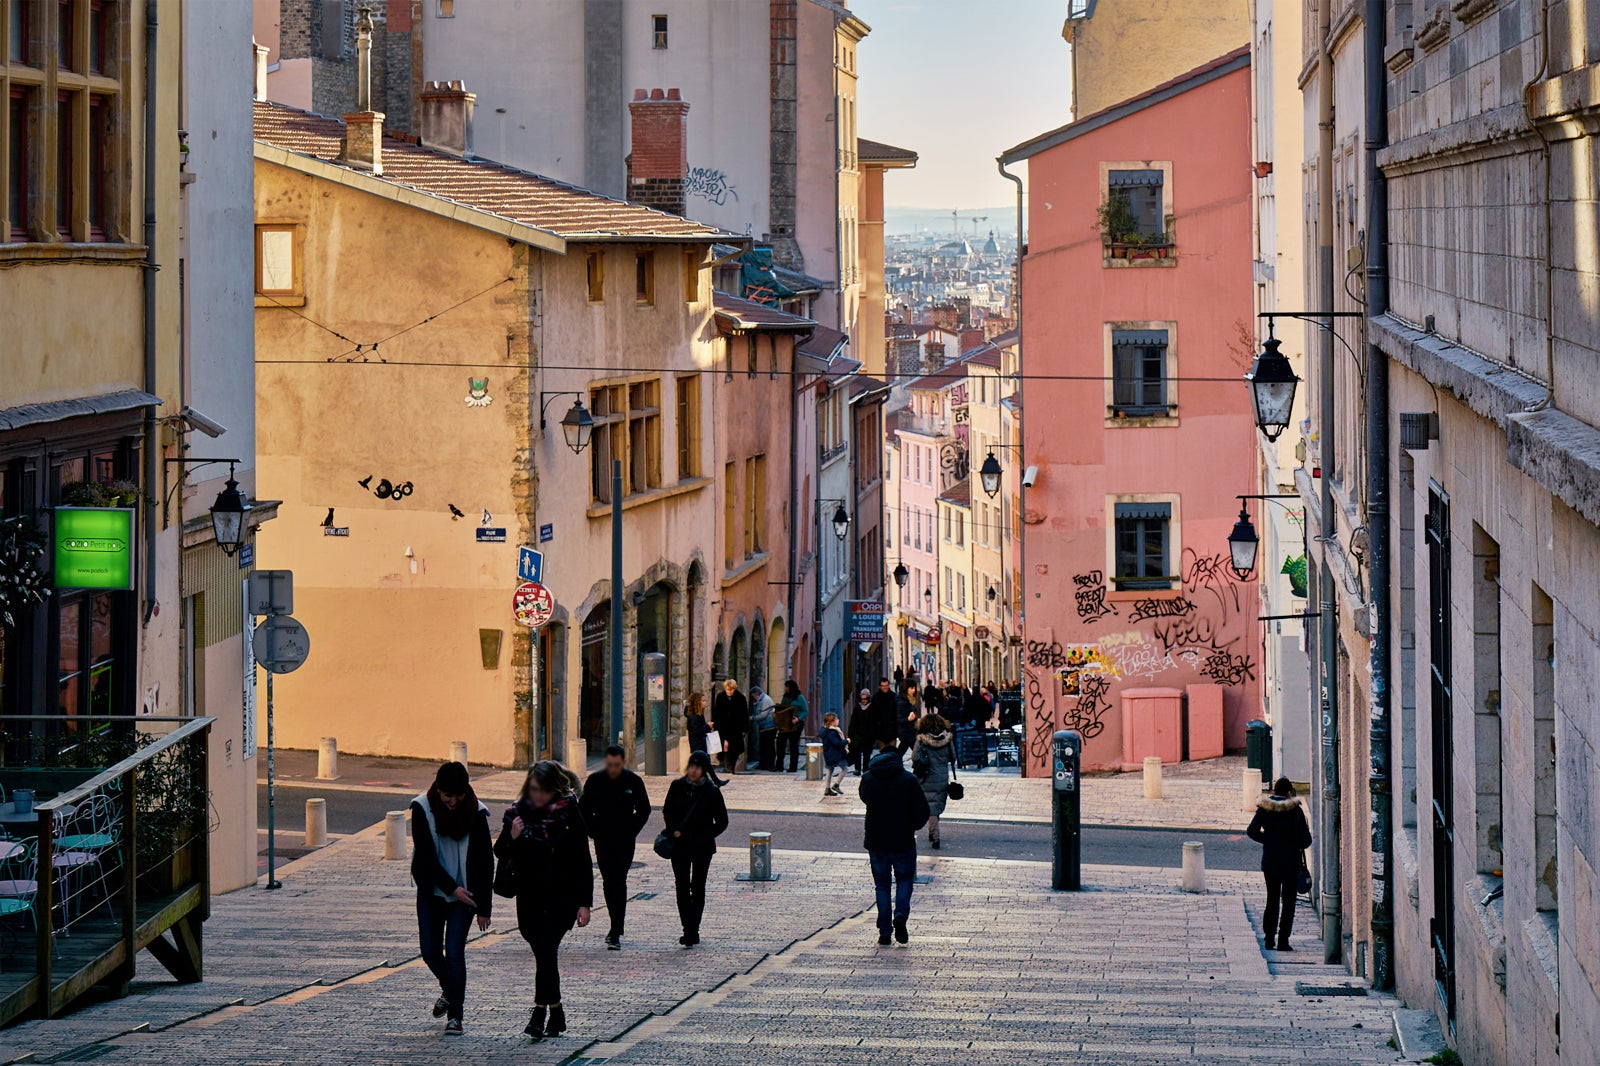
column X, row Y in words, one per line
column 916, row 520
column 644, row 278
column 688, row 426
column 751, row 340
column 961, row 592
column 447, row 9
column 1141, row 545
column 597, row 277
column 905, row 531
column 17, row 33
column 1138, row 194
column 20, row 173
column 755, row 491
column 1139, row 373
column 961, row 527
column 658, row 31
column 730, row 512
column 66, row 139
column 627, row 429
column 949, row 587
column 691, row 277
column 1487, row 700
column 277, row 261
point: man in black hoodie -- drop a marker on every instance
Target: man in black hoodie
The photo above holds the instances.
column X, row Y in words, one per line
column 896, row 809
column 615, row 806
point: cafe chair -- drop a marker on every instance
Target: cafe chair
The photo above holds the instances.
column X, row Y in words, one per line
column 19, row 878
column 96, row 830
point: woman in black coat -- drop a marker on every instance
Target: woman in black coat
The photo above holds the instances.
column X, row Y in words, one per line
column 730, row 717
column 1280, row 827
column 452, row 865
column 547, row 846
column 695, row 815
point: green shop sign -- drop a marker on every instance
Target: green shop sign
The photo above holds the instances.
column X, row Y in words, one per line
column 94, row 548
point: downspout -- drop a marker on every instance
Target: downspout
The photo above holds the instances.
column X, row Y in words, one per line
column 818, row 658
column 794, row 493
column 1329, row 875
column 1022, row 491
column 152, row 461
column 1377, row 415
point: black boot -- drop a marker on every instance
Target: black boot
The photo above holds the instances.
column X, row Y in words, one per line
column 558, row 1021
column 535, row 1027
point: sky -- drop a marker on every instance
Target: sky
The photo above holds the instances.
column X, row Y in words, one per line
column 958, row 82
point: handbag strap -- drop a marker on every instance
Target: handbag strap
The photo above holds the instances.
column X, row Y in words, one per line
column 688, row 813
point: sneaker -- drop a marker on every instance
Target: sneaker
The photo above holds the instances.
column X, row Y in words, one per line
column 441, row 1007
column 883, row 940
column 452, row 1027
column 900, row 933
column 613, row 942
column 1283, row 945
column 535, row 1026
column 558, row 1021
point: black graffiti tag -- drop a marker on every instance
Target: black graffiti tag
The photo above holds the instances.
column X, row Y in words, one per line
column 1091, row 596
column 1046, row 654
column 1151, row 607
column 1213, row 574
column 1043, row 727
column 1226, row 668
column 1088, row 717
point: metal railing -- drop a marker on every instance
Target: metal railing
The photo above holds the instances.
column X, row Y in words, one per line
column 115, row 861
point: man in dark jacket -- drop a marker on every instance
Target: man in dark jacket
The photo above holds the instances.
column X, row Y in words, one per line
column 615, row 806
column 730, row 717
column 1280, row 827
column 906, row 716
column 883, row 718
column 896, row 809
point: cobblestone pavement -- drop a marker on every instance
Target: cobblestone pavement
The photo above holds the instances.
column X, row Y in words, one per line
column 1197, row 795
column 324, row 971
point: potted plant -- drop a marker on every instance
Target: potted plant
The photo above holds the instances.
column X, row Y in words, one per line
column 22, row 578
column 1118, row 227
column 174, row 808
column 117, row 493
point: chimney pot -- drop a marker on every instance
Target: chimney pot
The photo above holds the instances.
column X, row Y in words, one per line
column 640, row 94
column 446, row 117
column 657, row 94
column 672, row 94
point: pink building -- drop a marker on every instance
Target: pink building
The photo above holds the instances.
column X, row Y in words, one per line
column 920, row 433
column 1137, row 286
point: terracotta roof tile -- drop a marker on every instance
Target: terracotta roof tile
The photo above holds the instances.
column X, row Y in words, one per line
column 735, row 312
column 878, row 152
column 566, row 211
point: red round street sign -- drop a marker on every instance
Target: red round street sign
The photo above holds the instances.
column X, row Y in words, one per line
column 532, row 604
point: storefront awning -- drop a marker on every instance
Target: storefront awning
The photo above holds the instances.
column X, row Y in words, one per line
column 34, row 414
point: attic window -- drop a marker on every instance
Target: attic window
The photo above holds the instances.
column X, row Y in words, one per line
column 447, row 9
column 659, row 31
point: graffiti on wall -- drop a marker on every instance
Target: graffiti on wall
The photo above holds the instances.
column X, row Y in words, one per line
column 710, row 185
column 953, row 464
column 1090, row 593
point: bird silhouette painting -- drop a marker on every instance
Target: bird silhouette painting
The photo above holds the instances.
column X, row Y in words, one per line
column 366, row 482
column 456, row 512
column 327, row 523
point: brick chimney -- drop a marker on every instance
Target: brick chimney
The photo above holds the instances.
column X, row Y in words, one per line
column 362, row 146
column 934, row 350
column 658, row 165
column 447, row 117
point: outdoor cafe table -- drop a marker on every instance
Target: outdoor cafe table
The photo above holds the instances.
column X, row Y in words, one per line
column 11, row 818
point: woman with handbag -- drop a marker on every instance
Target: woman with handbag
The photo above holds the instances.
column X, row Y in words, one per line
column 452, row 865
column 1281, row 828
column 695, row 724
column 695, row 815
column 545, row 864
column 932, row 761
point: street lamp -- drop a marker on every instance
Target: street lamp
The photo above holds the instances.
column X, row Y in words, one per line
column 901, row 575
column 577, row 426
column 841, row 522
column 1272, row 383
column 228, row 516
column 989, row 474
column 1243, row 544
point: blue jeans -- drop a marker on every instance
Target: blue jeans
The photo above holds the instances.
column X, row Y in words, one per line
column 447, row 920
column 903, row 864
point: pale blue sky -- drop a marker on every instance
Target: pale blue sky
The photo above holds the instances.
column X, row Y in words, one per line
column 958, row 82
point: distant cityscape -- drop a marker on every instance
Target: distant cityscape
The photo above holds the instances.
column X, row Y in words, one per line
column 965, row 222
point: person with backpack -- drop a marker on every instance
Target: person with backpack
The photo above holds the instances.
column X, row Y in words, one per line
column 791, row 718
column 695, row 814
column 615, row 807
column 453, row 866
column 835, row 755
column 545, row 865
column 1281, row 828
column 896, row 809
column 931, row 761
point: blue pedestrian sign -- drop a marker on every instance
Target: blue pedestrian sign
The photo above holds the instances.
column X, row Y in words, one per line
column 530, row 565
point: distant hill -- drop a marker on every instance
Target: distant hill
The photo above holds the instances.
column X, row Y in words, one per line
column 913, row 220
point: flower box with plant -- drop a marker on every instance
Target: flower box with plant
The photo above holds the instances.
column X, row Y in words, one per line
column 120, row 493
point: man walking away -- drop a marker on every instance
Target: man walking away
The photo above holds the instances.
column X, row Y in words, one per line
column 1280, row 827
column 616, row 807
column 896, row 809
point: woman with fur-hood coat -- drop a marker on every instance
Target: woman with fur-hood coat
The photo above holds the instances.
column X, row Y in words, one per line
column 1280, row 827
column 930, row 762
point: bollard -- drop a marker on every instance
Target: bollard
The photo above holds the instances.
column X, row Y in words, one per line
column 813, row 760
column 394, row 836
column 760, row 859
column 458, row 751
column 1251, row 788
column 328, row 760
column 1152, row 777
column 316, row 823
column 1194, row 866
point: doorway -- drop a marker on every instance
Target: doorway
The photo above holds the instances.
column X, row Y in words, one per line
column 592, row 691
column 1443, row 924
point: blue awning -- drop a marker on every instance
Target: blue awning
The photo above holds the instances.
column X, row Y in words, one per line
column 1130, row 178
column 1144, row 510
column 1139, row 338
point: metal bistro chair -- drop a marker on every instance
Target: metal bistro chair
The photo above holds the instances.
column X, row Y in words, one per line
column 97, row 831
column 19, row 880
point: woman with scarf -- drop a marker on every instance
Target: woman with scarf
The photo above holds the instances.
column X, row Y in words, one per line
column 931, row 763
column 552, row 876
column 453, row 867
column 695, row 815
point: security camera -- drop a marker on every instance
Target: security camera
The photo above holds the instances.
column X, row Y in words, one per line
column 196, row 420
column 1029, row 476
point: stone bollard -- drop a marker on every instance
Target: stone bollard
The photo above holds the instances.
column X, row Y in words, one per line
column 458, row 751
column 1152, row 777
column 1194, row 866
column 328, row 760
column 316, row 823
column 394, row 836
column 813, row 760
column 1251, row 788
column 760, row 859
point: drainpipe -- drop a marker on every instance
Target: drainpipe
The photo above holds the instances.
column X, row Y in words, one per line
column 1022, row 491
column 1329, row 874
column 794, row 495
column 1377, row 416
column 152, row 461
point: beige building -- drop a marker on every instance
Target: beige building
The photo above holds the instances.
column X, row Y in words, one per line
column 1123, row 48
column 410, row 410
column 992, row 623
column 872, row 160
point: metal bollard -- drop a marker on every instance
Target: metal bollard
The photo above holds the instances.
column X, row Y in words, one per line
column 458, row 751
column 1250, row 783
column 328, row 760
column 394, row 836
column 1152, row 777
column 760, row 859
column 316, row 823
column 813, row 760
column 1194, row 866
